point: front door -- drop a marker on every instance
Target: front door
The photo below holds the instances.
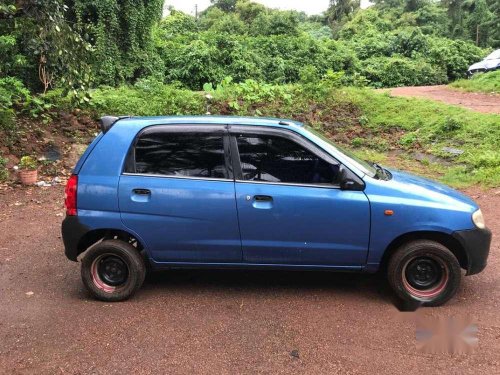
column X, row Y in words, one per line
column 291, row 209
column 177, row 195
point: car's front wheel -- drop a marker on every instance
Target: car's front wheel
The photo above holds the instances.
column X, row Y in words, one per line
column 113, row 270
column 424, row 271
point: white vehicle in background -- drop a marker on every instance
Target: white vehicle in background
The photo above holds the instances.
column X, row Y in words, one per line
column 491, row 62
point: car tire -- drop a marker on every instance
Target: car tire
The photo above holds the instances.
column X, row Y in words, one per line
column 113, row 270
column 424, row 272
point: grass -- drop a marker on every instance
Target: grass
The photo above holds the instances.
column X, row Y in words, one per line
column 481, row 82
column 409, row 133
column 426, row 128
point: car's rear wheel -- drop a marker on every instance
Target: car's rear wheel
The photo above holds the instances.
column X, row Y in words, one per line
column 113, row 270
column 425, row 272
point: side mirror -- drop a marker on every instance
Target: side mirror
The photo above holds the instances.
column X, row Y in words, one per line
column 349, row 181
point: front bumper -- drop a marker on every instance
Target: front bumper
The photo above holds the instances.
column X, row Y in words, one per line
column 476, row 243
column 72, row 232
column 471, row 72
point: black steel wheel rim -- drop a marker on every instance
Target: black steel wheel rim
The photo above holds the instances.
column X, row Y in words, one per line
column 112, row 270
column 424, row 273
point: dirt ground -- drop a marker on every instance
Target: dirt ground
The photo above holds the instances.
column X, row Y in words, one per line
column 218, row 322
column 486, row 103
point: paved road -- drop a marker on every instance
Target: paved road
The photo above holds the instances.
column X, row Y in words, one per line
column 486, row 103
column 216, row 322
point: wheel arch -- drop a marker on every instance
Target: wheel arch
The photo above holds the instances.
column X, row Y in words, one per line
column 444, row 239
column 97, row 235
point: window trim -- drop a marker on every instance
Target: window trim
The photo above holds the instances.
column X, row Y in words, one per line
column 214, row 129
column 178, row 177
column 290, row 135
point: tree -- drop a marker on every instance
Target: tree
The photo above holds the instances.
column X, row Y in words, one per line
column 275, row 22
column 456, row 14
column 414, row 5
column 389, row 4
column 341, row 11
column 52, row 49
column 478, row 21
column 121, row 33
column 225, row 5
column 494, row 24
column 177, row 23
column 248, row 10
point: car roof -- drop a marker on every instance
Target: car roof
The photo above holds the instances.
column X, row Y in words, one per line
column 209, row 120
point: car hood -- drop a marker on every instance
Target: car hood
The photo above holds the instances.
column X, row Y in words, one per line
column 485, row 64
column 421, row 188
column 478, row 65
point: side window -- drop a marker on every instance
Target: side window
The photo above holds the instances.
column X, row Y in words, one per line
column 180, row 154
column 276, row 159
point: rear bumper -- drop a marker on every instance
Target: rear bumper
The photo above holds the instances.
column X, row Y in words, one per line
column 476, row 243
column 72, row 232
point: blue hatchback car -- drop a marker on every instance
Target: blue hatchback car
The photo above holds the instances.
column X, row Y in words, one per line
column 232, row 192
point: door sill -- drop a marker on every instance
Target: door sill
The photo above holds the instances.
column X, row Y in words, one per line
column 170, row 265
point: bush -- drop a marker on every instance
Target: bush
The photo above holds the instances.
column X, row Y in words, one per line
column 401, row 71
column 408, row 42
column 7, row 120
column 12, row 92
column 4, row 173
column 454, row 56
column 12, row 96
column 146, row 98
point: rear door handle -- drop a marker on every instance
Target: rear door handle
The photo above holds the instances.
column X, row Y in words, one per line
column 262, row 202
column 141, row 191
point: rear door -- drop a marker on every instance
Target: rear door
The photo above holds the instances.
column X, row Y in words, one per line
column 290, row 206
column 177, row 194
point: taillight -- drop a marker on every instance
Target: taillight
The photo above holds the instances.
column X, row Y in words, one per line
column 70, row 199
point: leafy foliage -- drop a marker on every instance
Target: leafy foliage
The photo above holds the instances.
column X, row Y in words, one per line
column 28, row 163
column 148, row 98
column 4, row 173
column 372, row 123
column 122, row 57
column 39, row 46
column 386, row 44
column 401, row 71
column 12, row 95
column 120, row 33
column 86, row 43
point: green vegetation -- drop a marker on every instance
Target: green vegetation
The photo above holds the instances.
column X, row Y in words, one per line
column 423, row 126
column 146, row 98
column 4, row 173
column 77, row 44
column 387, row 46
column 482, row 82
column 120, row 35
column 28, row 163
column 12, row 96
column 459, row 146
column 122, row 57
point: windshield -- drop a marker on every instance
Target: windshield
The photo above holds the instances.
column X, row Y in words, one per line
column 494, row 55
column 362, row 165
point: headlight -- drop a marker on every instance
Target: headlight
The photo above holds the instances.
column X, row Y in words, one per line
column 478, row 219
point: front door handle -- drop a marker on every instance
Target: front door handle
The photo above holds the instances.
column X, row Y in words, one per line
column 263, row 198
column 141, row 191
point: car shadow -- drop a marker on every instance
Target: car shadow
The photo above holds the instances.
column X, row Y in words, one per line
column 343, row 284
